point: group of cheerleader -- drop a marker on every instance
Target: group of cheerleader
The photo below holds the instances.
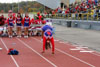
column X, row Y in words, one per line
column 21, row 22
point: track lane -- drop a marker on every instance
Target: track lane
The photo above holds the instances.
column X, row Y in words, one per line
column 26, row 58
column 88, row 57
column 6, row 60
column 66, row 60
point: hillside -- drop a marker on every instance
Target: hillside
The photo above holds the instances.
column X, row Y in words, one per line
column 29, row 6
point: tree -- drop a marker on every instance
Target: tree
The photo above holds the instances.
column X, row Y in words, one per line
column 30, row 10
column 21, row 11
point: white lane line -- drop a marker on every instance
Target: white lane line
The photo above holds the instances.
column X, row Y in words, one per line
column 10, row 55
column 69, row 55
column 36, row 52
column 74, row 57
column 98, row 53
column 81, row 49
column 86, row 51
column 95, row 54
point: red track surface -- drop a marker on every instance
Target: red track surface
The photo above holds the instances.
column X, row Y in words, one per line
column 31, row 56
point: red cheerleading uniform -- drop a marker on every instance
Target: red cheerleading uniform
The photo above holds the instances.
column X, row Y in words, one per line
column 26, row 21
column 10, row 21
column 48, row 35
column 19, row 21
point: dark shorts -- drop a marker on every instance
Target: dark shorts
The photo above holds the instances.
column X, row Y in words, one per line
column 19, row 25
column 11, row 24
column 26, row 24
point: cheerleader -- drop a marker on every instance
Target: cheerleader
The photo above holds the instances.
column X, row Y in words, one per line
column 10, row 22
column 19, row 24
column 27, row 23
column 47, row 36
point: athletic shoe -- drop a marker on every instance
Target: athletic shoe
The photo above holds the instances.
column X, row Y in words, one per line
column 43, row 51
column 17, row 36
column 53, row 53
column 20, row 36
column 26, row 36
column 10, row 36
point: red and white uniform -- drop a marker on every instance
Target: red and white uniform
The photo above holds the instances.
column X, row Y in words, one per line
column 48, row 35
column 10, row 21
column 26, row 21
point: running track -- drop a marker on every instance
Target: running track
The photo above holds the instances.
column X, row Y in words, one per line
column 66, row 55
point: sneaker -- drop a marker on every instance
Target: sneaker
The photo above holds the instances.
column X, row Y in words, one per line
column 53, row 53
column 20, row 36
column 26, row 36
column 43, row 52
column 0, row 48
column 10, row 36
column 17, row 36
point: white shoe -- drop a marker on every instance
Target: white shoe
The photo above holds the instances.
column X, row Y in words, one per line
column 20, row 36
column 25, row 36
column 0, row 48
column 17, row 36
column 10, row 36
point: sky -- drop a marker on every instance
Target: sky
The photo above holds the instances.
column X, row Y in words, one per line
column 10, row 1
column 72, row 1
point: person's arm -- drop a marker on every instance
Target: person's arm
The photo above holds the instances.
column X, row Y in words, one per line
column 29, row 21
column 43, row 29
column 23, row 21
column 16, row 20
column 8, row 21
column 42, row 34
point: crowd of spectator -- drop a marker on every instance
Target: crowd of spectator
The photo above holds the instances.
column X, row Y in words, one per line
column 89, row 6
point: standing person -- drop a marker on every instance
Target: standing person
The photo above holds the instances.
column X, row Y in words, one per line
column 27, row 23
column 19, row 20
column 10, row 22
column 47, row 36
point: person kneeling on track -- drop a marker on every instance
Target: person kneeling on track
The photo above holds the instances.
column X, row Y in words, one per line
column 47, row 36
column 19, row 24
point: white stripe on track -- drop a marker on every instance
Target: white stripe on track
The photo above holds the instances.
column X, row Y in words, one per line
column 69, row 55
column 10, row 55
column 96, row 54
column 37, row 52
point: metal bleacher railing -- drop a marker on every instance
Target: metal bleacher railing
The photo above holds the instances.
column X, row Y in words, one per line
column 77, row 16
